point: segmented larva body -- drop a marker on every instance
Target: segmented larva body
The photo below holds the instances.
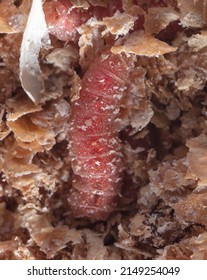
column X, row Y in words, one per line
column 95, row 148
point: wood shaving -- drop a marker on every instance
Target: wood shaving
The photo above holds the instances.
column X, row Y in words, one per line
column 159, row 18
column 143, row 44
column 192, row 209
column 12, row 19
column 91, row 42
column 63, row 58
column 198, row 247
column 197, row 158
column 198, row 41
column 191, row 13
column 137, row 107
column 120, row 24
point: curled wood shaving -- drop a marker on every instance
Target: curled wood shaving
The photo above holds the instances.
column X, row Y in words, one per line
column 175, row 252
column 136, row 104
column 192, row 209
column 143, row 44
column 120, row 23
column 130, row 8
column 95, row 248
column 4, row 130
column 5, row 27
column 198, row 41
column 53, row 239
column 191, row 13
column 127, row 243
column 138, row 227
column 26, row 132
column 198, row 247
column 75, row 87
column 64, row 58
column 35, row 36
column 11, row 18
column 197, row 157
column 10, row 245
column 49, row 239
column 20, row 106
column 91, row 42
column 170, row 177
column 18, row 163
column 159, row 18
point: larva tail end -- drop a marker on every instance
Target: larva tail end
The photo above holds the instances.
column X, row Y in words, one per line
column 83, row 206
